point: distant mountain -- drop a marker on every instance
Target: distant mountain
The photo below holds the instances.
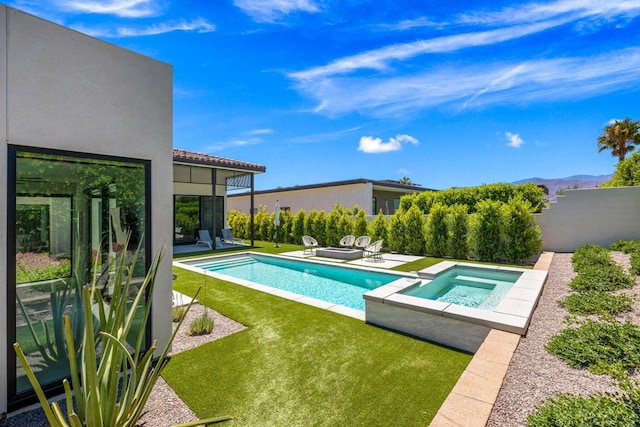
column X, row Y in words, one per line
column 575, row 181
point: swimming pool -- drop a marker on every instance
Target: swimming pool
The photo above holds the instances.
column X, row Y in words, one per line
column 479, row 288
column 458, row 314
column 326, row 282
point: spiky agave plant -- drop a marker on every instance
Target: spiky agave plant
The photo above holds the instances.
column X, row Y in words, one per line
column 110, row 389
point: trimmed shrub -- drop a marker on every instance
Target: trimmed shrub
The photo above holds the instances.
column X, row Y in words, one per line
column 603, row 347
column 521, row 234
column 590, row 255
column 396, row 232
column 634, row 259
column 414, row 229
column 437, row 233
column 378, row 228
column 597, row 302
column 310, row 224
column 602, row 278
column 361, row 224
column 333, row 234
column 345, row 225
column 458, row 229
column 320, row 228
column 297, row 230
column 626, row 246
column 571, row 410
column 286, row 226
column 486, row 230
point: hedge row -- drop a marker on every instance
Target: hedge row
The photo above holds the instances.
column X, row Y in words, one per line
column 495, row 231
column 470, row 196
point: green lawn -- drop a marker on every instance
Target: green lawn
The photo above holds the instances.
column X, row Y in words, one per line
column 297, row 365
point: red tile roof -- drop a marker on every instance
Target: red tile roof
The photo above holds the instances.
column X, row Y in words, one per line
column 209, row 160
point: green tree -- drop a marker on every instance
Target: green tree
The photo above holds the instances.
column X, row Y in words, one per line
column 333, row 234
column 320, row 228
column 620, row 137
column 361, row 223
column 521, row 233
column 627, row 173
column 378, row 228
column 486, row 234
column 345, row 224
column 310, row 224
column 396, row 232
column 458, row 229
column 437, row 232
column 414, row 231
column 297, row 230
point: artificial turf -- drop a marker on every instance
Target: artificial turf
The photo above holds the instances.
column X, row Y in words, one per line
column 297, row 365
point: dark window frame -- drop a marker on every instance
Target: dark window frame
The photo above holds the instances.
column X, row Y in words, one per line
column 15, row 400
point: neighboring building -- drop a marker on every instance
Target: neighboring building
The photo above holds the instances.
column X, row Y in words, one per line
column 370, row 195
column 85, row 153
column 197, row 203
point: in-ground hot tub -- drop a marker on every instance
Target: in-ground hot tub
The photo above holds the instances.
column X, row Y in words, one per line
column 457, row 304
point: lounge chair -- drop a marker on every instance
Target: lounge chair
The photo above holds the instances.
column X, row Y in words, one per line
column 374, row 250
column 227, row 237
column 205, row 238
column 362, row 242
column 309, row 245
column 347, row 241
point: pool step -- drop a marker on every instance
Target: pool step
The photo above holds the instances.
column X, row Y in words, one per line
column 480, row 282
column 228, row 263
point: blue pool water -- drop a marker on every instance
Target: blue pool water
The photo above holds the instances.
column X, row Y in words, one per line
column 335, row 284
column 480, row 288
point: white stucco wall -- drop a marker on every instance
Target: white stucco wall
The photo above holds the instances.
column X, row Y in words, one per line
column 63, row 90
column 591, row 216
column 318, row 198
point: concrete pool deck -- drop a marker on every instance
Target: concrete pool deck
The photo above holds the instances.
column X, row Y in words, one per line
column 471, row 401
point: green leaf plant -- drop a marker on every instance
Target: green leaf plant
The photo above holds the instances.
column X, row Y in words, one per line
column 110, row 388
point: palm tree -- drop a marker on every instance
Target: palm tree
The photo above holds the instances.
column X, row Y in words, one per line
column 405, row 180
column 620, row 137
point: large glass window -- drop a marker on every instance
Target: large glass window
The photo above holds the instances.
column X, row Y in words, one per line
column 72, row 213
column 194, row 213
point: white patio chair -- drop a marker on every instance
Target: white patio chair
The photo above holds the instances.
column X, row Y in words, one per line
column 227, row 237
column 347, row 241
column 374, row 251
column 362, row 242
column 205, row 238
column 309, row 245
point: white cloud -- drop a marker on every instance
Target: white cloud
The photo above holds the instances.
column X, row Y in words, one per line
column 122, row 8
column 369, row 144
column 221, row 146
column 261, row 132
column 274, row 10
column 515, row 140
column 476, row 84
column 197, row 25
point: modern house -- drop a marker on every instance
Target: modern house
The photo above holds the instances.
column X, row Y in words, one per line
column 200, row 205
column 85, row 155
column 370, row 195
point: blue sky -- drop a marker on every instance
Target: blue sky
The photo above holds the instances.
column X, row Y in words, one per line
column 446, row 94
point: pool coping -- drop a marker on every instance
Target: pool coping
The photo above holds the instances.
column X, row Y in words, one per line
column 472, row 399
column 335, row 308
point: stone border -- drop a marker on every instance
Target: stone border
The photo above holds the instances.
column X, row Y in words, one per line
column 472, row 399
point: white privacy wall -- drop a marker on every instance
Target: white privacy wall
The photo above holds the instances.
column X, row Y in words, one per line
column 60, row 89
column 591, row 216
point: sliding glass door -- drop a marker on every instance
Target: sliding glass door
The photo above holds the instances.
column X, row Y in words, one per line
column 194, row 213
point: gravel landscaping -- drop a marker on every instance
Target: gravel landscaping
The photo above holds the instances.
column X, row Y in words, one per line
column 164, row 407
column 534, row 374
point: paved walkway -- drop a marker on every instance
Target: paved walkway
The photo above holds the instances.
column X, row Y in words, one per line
column 387, row 261
column 470, row 402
